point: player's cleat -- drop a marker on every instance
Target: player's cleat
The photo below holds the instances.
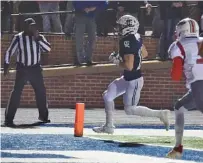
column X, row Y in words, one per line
column 176, row 152
column 165, row 114
column 104, row 129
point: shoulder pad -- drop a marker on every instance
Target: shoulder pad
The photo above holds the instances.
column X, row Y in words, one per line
column 174, row 50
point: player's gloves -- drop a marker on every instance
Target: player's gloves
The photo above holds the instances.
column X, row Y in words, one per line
column 115, row 58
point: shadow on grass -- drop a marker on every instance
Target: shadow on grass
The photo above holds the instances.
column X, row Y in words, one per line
column 25, row 126
column 124, row 144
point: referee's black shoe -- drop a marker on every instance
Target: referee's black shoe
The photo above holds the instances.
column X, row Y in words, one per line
column 44, row 120
column 9, row 124
column 89, row 63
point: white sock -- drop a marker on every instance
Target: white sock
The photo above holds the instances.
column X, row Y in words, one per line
column 109, row 108
column 142, row 111
column 179, row 125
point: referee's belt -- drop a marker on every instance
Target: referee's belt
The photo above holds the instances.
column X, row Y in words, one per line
column 21, row 65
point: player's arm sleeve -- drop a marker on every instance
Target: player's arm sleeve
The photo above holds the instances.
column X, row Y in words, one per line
column 44, row 44
column 200, row 46
column 177, row 69
column 178, row 61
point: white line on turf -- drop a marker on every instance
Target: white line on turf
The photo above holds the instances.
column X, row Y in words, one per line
column 88, row 156
column 88, row 131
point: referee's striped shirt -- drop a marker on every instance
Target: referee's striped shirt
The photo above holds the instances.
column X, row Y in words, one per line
column 27, row 49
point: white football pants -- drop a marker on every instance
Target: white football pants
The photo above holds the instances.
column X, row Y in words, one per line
column 129, row 89
column 131, row 95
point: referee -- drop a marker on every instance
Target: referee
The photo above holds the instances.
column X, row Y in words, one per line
column 27, row 46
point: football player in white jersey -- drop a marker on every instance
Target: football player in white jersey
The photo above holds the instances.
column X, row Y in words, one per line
column 131, row 82
column 188, row 58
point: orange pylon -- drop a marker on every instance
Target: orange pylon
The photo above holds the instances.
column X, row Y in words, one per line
column 79, row 119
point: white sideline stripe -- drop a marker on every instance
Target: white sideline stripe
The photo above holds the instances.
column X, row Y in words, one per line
column 89, row 156
column 43, row 160
column 88, row 131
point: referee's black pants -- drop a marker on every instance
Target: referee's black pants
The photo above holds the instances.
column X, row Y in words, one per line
column 34, row 76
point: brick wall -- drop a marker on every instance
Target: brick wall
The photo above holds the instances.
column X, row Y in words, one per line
column 64, row 91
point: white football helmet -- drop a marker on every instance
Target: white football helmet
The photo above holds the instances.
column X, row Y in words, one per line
column 187, row 28
column 128, row 24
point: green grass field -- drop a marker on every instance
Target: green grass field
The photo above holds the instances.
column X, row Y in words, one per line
column 189, row 142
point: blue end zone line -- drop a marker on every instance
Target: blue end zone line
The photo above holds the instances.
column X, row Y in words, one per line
column 189, row 127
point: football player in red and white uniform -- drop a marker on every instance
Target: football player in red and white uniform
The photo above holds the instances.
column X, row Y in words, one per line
column 188, row 58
